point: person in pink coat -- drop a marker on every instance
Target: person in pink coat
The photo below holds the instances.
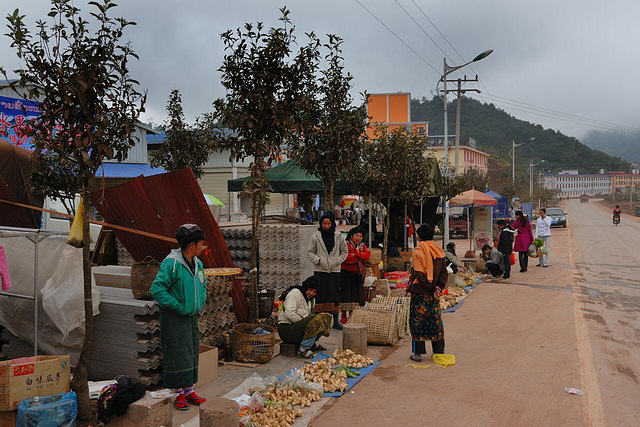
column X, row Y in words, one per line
column 523, row 240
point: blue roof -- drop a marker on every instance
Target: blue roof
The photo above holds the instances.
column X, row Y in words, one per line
column 156, row 139
column 127, row 170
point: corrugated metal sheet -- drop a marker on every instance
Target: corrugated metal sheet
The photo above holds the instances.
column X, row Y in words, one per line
column 137, row 153
column 160, row 204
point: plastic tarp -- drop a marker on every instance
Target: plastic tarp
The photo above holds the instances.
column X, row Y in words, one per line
column 61, row 294
column 501, row 210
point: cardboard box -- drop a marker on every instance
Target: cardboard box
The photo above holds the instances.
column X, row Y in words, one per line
column 208, row 365
column 8, row 419
column 29, row 377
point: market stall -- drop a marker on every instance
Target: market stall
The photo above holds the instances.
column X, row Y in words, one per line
column 479, row 202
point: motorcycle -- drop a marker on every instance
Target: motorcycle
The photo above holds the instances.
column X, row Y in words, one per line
column 616, row 220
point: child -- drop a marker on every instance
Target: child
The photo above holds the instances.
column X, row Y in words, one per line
column 505, row 245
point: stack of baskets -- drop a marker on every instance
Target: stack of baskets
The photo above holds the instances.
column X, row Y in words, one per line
column 386, row 318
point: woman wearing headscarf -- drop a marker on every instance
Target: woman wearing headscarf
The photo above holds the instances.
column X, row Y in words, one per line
column 297, row 323
column 452, row 258
column 524, row 239
column 428, row 277
column 327, row 251
column 179, row 288
column 351, row 273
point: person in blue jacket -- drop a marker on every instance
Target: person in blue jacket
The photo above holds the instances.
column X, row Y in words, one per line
column 179, row 288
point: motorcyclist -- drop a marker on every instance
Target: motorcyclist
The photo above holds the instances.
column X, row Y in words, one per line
column 616, row 213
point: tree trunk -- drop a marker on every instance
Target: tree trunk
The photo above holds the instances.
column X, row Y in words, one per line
column 385, row 239
column 332, row 185
column 327, row 204
column 257, row 207
column 81, row 376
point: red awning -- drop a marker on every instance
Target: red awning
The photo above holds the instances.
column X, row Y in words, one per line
column 473, row 197
column 160, row 204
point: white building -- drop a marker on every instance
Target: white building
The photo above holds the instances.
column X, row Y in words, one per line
column 573, row 185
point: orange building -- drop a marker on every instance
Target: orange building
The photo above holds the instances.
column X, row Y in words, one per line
column 620, row 182
column 392, row 110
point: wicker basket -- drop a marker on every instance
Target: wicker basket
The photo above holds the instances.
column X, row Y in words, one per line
column 248, row 347
column 142, row 275
column 382, row 327
column 401, row 306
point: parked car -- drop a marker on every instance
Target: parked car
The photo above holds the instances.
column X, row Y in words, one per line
column 558, row 217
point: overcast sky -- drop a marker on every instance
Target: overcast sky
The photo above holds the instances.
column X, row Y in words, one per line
column 574, row 56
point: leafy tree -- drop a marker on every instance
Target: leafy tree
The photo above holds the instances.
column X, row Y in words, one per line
column 474, row 178
column 332, row 145
column 90, row 106
column 185, row 146
column 269, row 100
column 393, row 167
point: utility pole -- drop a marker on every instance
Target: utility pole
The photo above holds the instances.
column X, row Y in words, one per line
column 458, row 104
column 631, row 188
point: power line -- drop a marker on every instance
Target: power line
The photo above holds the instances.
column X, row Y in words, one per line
column 567, row 114
column 424, row 31
column 399, row 38
column 452, row 47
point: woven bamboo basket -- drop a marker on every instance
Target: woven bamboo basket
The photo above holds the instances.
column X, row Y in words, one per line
column 143, row 274
column 402, row 308
column 248, row 347
column 382, row 327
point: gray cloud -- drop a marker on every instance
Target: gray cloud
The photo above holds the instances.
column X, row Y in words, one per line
column 575, row 56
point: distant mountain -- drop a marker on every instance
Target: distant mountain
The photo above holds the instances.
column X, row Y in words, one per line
column 619, row 144
column 494, row 129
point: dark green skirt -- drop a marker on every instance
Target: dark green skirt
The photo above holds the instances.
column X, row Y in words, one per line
column 180, row 339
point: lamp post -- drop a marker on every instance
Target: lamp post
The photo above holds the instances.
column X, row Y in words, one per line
column 531, row 166
column 446, row 70
column 512, row 154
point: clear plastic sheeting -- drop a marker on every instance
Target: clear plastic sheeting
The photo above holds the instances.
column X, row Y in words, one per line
column 56, row 410
column 63, row 293
column 17, row 314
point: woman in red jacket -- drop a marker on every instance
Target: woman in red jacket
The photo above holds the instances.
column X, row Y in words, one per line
column 523, row 240
column 351, row 272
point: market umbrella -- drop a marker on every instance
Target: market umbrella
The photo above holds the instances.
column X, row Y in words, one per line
column 212, row 200
column 348, row 200
column 473, row 198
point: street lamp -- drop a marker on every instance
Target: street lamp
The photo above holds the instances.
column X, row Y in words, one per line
column 531, row 166
column 512, row 154
column 445, row 72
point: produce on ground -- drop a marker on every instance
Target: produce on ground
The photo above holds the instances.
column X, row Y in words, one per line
column 469, row 277
column 320, row 372
column 293, row 397
column 351, row 359
column 274, row 415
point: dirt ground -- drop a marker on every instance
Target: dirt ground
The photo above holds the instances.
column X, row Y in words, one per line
column 519, row 343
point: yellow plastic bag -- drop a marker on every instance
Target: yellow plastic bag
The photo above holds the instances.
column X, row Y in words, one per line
column 444, row 360
column 75, row 234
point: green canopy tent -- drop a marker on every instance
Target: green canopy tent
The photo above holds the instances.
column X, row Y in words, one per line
column 290, row 178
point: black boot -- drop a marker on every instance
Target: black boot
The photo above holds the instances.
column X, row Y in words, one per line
column 437, row 347
column 336, row 323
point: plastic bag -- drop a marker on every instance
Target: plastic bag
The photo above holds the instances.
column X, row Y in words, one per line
column 296, row 381
column 256, row 402
column 444, row 360
column 243, row 400
column 513, row 258
column 163, row 394
column 369, row 281
column 56, row 410
column 533, row 251
column 255, row 383
column 63, row 293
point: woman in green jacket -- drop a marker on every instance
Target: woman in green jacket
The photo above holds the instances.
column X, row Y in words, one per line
column 179, row 288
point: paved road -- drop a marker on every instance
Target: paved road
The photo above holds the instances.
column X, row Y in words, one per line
column 606, row 275
column 519, row 343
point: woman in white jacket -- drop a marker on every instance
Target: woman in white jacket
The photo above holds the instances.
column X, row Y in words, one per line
column 297, row 323
column 327, row 251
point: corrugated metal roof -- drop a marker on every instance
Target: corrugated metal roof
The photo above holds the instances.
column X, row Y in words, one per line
column 127, row 170
column 159, row 204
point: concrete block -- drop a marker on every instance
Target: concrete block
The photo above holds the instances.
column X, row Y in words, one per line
column 146, row 412
column 219, row 413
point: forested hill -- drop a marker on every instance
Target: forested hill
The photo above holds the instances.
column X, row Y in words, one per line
column 623, row 145
column 494, row 129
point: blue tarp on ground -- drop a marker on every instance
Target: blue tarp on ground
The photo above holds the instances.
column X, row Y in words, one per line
column 350, row 381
